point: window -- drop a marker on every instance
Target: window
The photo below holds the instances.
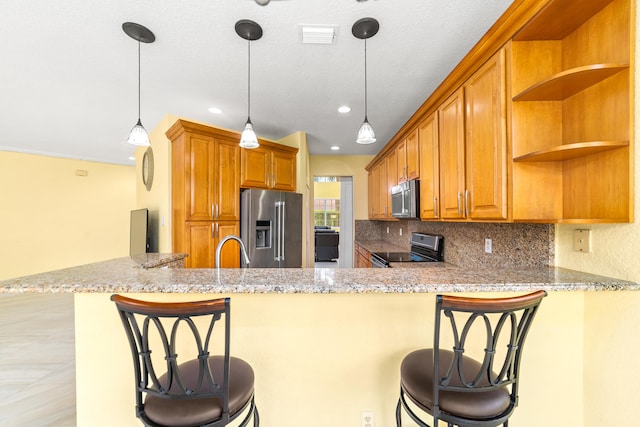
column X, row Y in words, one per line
column 326, row 212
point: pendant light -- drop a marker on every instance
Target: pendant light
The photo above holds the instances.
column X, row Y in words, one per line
column 363, row 29
column 138, row 134
column 248, row 30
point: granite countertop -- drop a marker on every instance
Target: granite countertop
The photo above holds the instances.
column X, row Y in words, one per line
column 125, row 275
column 156, row 260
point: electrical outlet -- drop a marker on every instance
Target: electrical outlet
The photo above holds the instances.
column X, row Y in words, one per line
column 367, row 419
column 401, row 231
column 387, row 230
column 488, row 246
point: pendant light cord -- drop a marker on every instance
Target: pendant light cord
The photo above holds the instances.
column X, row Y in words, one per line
column 249, row 83
column 138, row 79
column 365, row 79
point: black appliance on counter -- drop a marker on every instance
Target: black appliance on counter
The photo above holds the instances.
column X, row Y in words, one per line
column 424, row 248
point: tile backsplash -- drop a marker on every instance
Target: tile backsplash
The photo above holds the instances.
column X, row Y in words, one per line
column 513, row 245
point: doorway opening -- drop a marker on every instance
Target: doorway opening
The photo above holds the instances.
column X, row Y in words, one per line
column 333, row 221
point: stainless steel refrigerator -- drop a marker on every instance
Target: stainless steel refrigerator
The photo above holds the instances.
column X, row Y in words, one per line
column 271, row 228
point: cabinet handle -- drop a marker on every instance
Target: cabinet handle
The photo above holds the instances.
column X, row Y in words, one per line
column 466, row 203
column 213, row 212
column 459, row 210
column 213, row 231
column 435, row 207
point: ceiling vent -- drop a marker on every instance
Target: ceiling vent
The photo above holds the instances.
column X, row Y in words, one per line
column 318, row 34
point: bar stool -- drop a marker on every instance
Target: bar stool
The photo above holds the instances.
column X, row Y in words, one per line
column 203, row 390
column 454, row 387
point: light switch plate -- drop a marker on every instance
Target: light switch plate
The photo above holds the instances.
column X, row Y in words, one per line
column 582, row 240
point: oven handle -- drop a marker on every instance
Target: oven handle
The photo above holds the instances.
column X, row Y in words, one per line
column 376, row 262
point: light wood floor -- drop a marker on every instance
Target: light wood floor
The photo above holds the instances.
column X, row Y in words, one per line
column 37, row 360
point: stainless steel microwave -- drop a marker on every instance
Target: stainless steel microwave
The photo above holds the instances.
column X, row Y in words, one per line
column 405, row 200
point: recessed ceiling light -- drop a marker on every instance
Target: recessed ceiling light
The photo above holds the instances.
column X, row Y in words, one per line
column 335, row 148
column 215, row 110
column 132, row 158
column 344, row 109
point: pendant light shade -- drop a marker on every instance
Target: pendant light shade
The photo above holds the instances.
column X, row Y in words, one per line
column 138, row 135
column 365, row 133
column 363, row 29
column 248, row 30
column 248, row 139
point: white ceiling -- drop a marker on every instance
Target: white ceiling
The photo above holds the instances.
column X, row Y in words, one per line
column 68, row 73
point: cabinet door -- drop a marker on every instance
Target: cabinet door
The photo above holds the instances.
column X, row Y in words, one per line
column 486, row 141
column 230, row 255
column 255, row 167
column 227, row 173
column 429, row 168
column 400, row 154
column 374, row 192
column 199, row 178
column 283, row 167
column 412, row 156
column 388, row 180
column 199, row 244
column 452, row 173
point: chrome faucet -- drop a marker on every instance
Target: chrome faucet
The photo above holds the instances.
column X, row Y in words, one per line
column 225, row 240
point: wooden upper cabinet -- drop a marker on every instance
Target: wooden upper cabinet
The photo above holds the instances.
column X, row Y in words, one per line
column 429, row 168
column 486, row 142
column 268, row 167
column 227, row 181
column 205, row 173
column 472, row 143
column 256, row 168
column 388, row 178
column 374, row 192
column 407, row 150
column 200, row 186
column 284, row 171
column 452, row 170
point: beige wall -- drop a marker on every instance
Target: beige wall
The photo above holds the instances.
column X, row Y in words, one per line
column 326, row 190
column 346, row 166
column 51, row 218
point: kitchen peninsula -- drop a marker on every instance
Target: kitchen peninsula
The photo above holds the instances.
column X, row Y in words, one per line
column 336, row 336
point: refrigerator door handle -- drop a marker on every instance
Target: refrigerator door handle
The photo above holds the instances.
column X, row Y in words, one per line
column 278, row 231
column 282, row 223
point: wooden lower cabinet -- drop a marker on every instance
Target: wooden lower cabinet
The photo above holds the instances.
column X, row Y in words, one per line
column 361, row 257
column 201, row 240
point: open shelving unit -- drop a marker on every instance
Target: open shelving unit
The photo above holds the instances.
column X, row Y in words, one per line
column 572, row 133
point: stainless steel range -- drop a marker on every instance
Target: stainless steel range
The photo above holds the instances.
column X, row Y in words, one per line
column 424, row 248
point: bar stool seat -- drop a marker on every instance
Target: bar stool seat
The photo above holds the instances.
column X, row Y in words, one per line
column 176, row 413
column 416, row 379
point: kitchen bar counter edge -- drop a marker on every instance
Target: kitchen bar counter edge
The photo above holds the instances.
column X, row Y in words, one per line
column 126, row 275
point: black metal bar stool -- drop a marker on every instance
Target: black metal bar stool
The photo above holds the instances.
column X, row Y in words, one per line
column 453, row 386
column 197, row 389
